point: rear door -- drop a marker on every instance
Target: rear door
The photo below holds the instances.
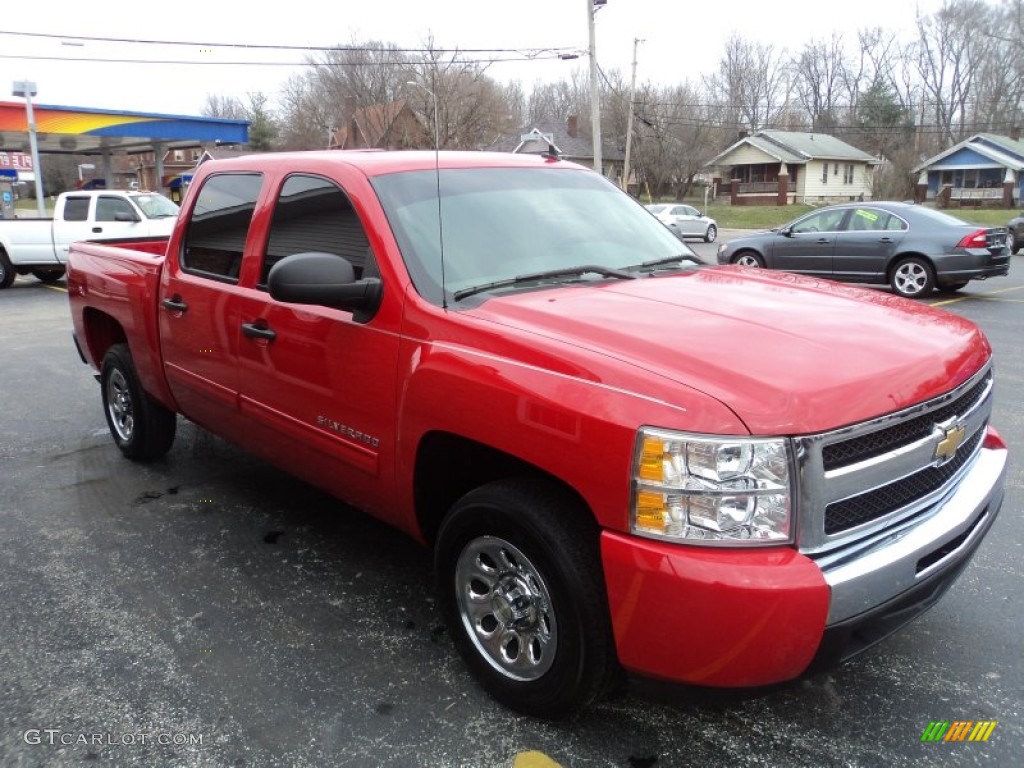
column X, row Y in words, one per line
column 320, row 387
column 72, row 222
column 864, row 248
column 199, row 305
column 807, row 246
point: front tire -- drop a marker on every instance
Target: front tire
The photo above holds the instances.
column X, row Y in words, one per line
column 519, row 578
column 748, row 259
column 7, row 273
column 141, row 427
column 711, row 234
column 912, row 277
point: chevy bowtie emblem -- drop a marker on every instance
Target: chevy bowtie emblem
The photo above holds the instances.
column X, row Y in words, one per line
column 952, row 437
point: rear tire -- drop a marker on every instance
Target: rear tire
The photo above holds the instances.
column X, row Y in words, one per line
column 7, row 273
column 141, row 427
column 912, row 277
column 711, row 234
column 519, row 578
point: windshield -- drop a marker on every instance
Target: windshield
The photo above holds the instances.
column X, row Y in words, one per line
column 499, row 223
column 155, row 206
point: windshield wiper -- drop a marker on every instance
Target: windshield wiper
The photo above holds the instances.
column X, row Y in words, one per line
column 532, row 277
column 667, row 260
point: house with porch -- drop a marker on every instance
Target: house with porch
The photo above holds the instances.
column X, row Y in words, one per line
column 567, row 141
column 986, row 169
column 394, row 125
column 789, row 167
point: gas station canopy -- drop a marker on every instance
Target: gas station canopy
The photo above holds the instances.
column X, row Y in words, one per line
column 82, row 131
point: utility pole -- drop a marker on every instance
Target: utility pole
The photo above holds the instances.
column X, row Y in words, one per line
column 629, row 120
column 595, row 93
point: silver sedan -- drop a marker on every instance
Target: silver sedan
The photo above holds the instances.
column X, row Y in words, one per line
column 685, row 220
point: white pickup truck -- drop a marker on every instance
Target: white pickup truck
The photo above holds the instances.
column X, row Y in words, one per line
column 40, row 246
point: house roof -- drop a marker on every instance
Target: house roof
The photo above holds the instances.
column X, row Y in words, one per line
column 570, row 147
column 1001, row 150
column 797, row 148
column 373, row 123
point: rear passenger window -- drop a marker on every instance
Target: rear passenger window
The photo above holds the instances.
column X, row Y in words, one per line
column 313, row 214
column 219, row 225
column 76, row 209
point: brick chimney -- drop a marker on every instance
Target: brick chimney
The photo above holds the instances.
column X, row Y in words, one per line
column 572, row 126
column 1015, row 133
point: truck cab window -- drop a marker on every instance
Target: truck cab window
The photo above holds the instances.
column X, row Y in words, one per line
column 107, row 209
column 76, row 209
column 219, row 225
column 314, row 214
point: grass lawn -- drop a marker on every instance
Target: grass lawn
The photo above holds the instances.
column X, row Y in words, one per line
column 25, row 208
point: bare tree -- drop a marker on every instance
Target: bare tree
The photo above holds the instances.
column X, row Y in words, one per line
column 749, row 83
column 950, row 53
column 819, row 75
column 228, row 107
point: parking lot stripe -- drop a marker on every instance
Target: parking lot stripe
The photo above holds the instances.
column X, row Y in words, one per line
column 983, row 296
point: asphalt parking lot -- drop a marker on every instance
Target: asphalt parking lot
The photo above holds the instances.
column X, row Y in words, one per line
column 207, row 610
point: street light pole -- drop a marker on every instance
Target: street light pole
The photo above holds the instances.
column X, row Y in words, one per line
column 595, row 94
column 27, row 89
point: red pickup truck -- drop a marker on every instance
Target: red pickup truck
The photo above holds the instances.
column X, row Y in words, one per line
column 622, row 458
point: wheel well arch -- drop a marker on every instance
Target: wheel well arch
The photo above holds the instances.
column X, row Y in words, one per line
column 101, row 333
column 745, row 250
column 448, row 466
column 907, row 255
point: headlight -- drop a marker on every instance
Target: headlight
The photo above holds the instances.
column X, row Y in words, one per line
column 712, row 490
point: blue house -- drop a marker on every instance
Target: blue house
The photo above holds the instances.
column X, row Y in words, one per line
column 986, row 168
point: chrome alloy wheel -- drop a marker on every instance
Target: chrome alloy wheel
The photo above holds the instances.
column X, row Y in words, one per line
column 910, row 278
column 506, row 608
column 747, row 260
column 119, row 405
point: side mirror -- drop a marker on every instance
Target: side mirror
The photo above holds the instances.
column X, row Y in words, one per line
column 126, row 216
column 786, row 232
column 325, row 280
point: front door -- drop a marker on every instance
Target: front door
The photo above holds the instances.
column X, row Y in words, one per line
column 806, row 246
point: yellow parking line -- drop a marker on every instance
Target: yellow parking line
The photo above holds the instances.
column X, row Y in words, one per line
column 55, row 288
column 957, row 300
column 534, row 759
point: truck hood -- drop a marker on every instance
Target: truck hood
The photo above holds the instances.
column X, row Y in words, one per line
column 787, row 354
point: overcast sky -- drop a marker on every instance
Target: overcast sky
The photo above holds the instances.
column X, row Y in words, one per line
column 682, row 38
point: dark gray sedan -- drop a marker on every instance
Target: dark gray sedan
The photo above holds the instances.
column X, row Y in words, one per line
column 912, row 248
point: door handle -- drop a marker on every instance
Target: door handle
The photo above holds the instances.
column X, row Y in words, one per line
column 824, row 240
column 97, row 229
column 175, row 304
column 254, row 331
column 885, row 239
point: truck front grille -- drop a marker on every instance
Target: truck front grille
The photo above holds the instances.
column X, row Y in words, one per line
column 864, row 478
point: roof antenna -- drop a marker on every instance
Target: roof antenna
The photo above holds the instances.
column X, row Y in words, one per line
column 437, row 176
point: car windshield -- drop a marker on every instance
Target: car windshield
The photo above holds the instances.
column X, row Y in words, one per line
column 500, row 223
column 155, row 206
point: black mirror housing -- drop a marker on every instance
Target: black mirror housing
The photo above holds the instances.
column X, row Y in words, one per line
column 326, row 280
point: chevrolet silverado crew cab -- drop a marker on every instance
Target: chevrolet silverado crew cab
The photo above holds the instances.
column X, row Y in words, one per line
column 40, row 246
column 623, row 459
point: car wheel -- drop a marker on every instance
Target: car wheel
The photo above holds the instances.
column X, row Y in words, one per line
column 7, row 273
column 711, row 234
column 48, row 275
column 1014, row 243
column 912, row 277
column 141, row 427
column 519, row 578
column 748, row 259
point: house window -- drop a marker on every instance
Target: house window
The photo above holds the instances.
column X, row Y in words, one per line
column 824, row 174
column 196, row 154
column 179, row 155
column 848, row 173
column 835, row 169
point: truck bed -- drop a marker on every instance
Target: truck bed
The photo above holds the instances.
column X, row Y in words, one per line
column 121, row 280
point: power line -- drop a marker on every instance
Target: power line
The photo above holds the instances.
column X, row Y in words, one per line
column 526, row 52
column 214, row 62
